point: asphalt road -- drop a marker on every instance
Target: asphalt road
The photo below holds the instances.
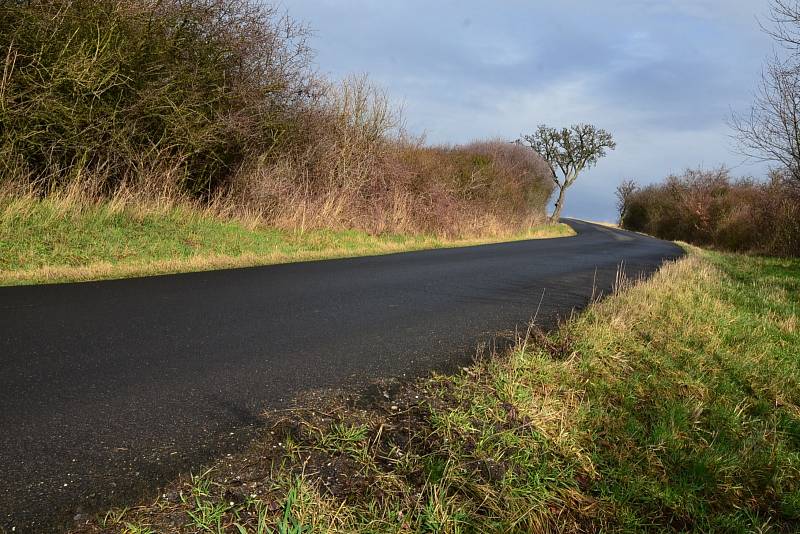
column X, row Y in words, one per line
column 110, row 388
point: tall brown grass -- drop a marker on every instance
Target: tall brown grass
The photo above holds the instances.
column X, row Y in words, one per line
column 214, row 104
column 710, row 208
column 358, row 169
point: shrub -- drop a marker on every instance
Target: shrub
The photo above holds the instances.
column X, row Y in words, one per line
column 710, row 208
column 114, row 86
column 212, row 102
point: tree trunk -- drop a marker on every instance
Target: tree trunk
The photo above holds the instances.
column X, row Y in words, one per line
column 559, row 206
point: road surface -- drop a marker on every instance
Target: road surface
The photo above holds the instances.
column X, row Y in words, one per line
column 110, row 388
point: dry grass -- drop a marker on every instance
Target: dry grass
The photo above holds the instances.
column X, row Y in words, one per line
column 65, row 238
column 360, row 171
column 105, row 270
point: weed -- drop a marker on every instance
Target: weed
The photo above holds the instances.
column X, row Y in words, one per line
column 288, row 523
column 344, row 438
column 207, row 511
column 112, row 517
column 131, row 528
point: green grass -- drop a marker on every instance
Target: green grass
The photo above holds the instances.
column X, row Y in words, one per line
column 671, row 406
column 58, row 241
column 693, row 412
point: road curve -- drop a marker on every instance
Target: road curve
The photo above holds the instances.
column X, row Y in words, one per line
column 109, row 388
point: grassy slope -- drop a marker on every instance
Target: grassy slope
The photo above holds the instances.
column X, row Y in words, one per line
column 671, row 406
column 52, row 241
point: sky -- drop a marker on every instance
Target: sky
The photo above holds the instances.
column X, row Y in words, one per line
column 663, row 76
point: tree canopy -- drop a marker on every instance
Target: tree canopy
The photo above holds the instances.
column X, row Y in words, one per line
column 569, row 151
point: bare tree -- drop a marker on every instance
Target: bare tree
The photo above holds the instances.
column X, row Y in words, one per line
column 785, row 28
column 770, row 131
column 624, row 192
column 568, row 151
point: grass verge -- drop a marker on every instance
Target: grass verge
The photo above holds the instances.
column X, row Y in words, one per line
column 671, row 406
column 64, row 241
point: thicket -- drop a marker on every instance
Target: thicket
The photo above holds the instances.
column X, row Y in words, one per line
column 215, row 103
column 710, row 208
column 117, row 86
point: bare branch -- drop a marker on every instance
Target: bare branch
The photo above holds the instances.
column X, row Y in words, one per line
column 770, row 130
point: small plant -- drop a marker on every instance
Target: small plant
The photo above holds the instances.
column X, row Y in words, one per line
column 206, row 511
column 113, row 517
column 132, row 528
column 343, row 437
column 288, row 523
